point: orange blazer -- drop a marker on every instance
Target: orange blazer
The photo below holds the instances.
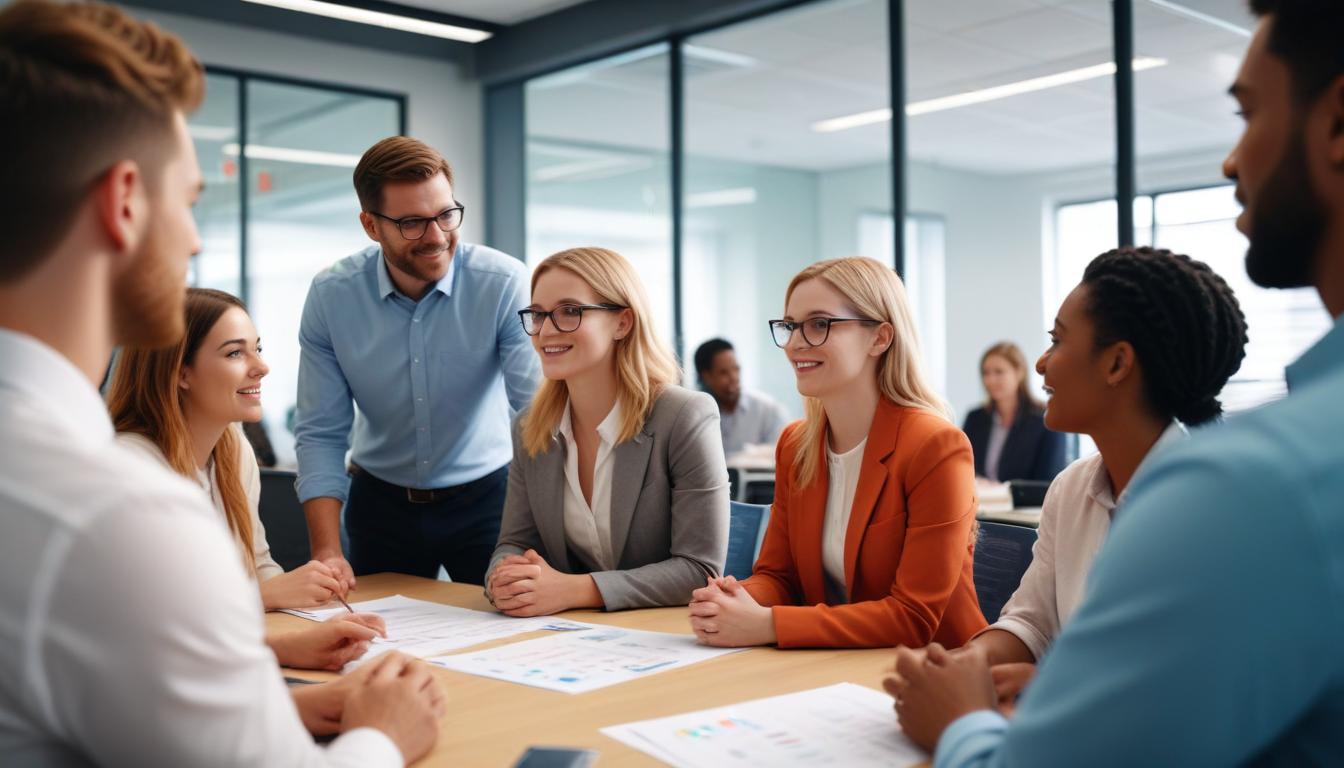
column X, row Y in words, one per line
column 909, row 546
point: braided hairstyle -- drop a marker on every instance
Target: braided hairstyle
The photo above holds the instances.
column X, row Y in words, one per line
column 1182, row 319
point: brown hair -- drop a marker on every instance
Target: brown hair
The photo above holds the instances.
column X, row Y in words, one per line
column 82, row 87
column 396, row 158
column 145, row 399
column 1013, row 354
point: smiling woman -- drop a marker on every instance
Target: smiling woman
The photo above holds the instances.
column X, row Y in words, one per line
column 870, row 539
column 180, row 405
column 618, row 491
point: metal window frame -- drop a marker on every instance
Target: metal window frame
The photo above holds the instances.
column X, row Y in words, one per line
column 243, row 77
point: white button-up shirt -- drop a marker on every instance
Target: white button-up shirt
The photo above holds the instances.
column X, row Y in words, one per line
column 1075, row 519
column 132, row 635
column 588, row 527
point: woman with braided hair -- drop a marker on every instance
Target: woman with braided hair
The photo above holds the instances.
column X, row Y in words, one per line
column 1139, row 351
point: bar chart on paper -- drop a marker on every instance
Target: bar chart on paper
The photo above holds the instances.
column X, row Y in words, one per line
column 841, row 725
column 584, row 661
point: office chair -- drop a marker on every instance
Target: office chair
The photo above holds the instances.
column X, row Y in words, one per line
column 1002, row 554
column 282, row 515
column 746, row 526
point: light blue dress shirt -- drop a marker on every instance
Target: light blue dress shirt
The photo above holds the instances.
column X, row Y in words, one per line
column 435, row 382
column 1213, row 628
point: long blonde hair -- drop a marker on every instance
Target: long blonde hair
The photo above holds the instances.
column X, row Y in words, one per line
column 144, row 398
column 644, row 364
column 875, row 293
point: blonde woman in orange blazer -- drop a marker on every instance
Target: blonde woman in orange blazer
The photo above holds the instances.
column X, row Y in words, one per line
column 871, row 536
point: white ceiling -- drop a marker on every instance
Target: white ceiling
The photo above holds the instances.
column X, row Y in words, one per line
column 828, row 59
column 496, row 11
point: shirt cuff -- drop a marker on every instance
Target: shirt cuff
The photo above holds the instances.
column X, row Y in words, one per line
column 318, row 486
column 1036, row 641
column 970, row 739
column 365, row 747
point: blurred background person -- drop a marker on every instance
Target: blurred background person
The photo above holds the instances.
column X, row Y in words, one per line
column 1008, row 433
column 745, row 418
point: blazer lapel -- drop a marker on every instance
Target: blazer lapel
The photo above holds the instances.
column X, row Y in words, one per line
column 808, row 520
column 549, row 504
column 627, row 478
column 872, row 476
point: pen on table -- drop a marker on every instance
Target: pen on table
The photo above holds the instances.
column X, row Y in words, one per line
column 347, row 605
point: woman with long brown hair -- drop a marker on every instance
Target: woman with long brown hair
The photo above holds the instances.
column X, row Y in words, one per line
column 180, row 406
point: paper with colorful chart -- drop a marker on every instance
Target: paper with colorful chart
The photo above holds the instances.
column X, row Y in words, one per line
column 584, row 661
column 841, row 725
column 423, row 628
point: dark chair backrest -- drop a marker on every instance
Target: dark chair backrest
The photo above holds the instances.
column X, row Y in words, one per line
column 282, row 514
column 734, row 480
column 761, row 492
column 1002, row 554
column 1028, row 493
column 745, row 524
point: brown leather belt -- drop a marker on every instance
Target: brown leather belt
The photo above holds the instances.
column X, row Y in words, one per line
column 419, row 495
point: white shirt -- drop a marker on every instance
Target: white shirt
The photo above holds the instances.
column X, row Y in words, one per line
column 1075, row 518
column 248, row 474
column 588, row 528
column 843, row 469
column 756, row 420
column 131, row 633
column 998, row 436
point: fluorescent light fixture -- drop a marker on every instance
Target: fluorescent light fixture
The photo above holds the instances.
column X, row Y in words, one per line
column 1191, row 13
column 985, row 94
column 380, row 19
column 287, row 155
column 717, row 56
column 722, row 197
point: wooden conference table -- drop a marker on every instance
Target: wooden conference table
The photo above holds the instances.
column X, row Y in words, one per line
column 490, row 722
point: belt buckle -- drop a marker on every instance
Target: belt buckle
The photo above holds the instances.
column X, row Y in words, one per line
column 420, row 495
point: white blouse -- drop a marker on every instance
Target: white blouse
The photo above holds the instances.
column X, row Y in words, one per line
column 588, row 528
column 250, row 477
column 1075, row 519
column 843, row 469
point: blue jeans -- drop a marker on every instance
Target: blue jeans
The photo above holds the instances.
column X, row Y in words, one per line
column 388, row 532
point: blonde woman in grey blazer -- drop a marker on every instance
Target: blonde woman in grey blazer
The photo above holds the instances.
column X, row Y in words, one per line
column 618, row 490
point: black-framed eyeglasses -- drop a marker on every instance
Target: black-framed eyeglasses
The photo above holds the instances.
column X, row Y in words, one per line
column 566, row 317
column 414, row 227
column 816, row 330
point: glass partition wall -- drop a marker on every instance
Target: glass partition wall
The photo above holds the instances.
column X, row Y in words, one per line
column 279, row 205
column 725, row 159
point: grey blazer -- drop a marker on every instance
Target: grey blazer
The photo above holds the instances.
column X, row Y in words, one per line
column 669, row 506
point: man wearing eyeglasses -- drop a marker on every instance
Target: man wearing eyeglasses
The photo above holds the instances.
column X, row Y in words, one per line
column 416, row 343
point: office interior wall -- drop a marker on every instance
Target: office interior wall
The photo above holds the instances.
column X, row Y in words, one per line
column 443, row 98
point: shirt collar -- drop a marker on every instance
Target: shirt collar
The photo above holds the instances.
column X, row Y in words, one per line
column 41, row 373
column 445, row 285
column 1324, row 357
column 1099, row 487
column 609, row 431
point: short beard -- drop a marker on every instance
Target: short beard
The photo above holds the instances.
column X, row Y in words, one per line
column 148, row 300
column 405, row 261
column 1287, row 225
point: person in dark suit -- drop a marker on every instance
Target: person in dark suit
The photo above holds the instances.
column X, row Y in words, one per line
column 1008, row 433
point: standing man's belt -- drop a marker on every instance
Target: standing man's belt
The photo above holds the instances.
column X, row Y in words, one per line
column 420, row 495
